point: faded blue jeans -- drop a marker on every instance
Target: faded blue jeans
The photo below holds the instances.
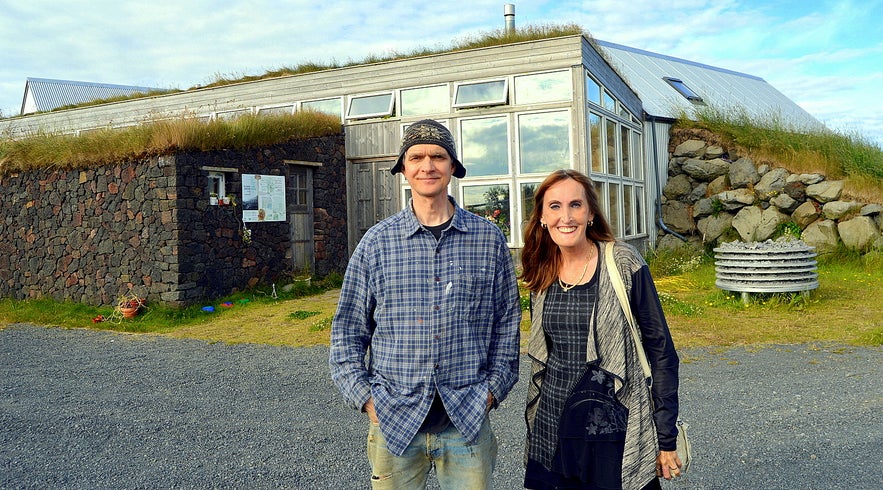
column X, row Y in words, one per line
column 458, row 464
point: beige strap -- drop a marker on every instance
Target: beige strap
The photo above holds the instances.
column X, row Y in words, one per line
column 619, row 287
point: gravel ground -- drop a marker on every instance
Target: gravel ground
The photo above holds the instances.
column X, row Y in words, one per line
column 87, row 409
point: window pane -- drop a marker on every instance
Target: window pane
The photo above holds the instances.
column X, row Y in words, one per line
column 601, row 190
column 626, row 162
column 490, row 202
column 628, row 207
column 639, row 210
column 478, row 94
column 595, row 142
column 425, row 100
column 593, row 90
column 328, row 106
column 612, row 156
column 609, row 102
column 485, row 146
column 544, row 141
column 274, row 111
column 543, row 87
column 528, row 191
column 613, row 214
column 370, row 106
column 637, row 156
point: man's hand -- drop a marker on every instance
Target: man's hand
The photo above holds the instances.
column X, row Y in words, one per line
column 369, row 409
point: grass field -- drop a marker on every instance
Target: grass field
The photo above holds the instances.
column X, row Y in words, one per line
column 847, row 308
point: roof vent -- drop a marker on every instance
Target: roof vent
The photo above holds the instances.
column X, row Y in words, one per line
column 509, row 15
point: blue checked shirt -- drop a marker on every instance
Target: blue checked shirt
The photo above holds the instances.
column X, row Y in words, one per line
column 436, row 315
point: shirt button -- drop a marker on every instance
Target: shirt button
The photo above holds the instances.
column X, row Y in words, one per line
column 435, row 337
column 435, row 367
column 437, row 279
column 436, row 307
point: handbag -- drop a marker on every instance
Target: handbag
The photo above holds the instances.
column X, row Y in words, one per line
column 685, row 450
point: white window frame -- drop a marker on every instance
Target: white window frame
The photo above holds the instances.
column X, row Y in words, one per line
column 502, row 100
column 367, row 115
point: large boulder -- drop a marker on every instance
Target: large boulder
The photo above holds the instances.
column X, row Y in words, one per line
column 826, row 191
column 706, row 170
column 839, row 209
column 678, row 216
column 735, row 199
column 713, row 227
column 677, row 187
column 770, row 219
column 771, row 184
column 785, row 203
column 822, row 235
column 743, row 173
column 859, row 233
column 746, row 222
column 805, row 214
column 690, row 148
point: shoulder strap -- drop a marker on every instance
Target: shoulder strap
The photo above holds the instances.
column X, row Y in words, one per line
column 619, row 287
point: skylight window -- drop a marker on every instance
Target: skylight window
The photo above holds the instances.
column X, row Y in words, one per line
column 480, row 94
column 684, row 90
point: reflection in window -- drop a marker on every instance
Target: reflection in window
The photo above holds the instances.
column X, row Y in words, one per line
column 626, row 161
column 684, row 90
column 485, row 145
column 639, row 210
column 637, row 156
column 328, row 106
column 543, row 87
column 612, row 157
column 366, row 106
column 480, row 94
column 490, row 202
column 425, row 100
column 230, row 115
column 593, row 90
column 609, row 102
column 528, row 191
column 544, row 141
column 627, row 218
column 275, row 111
column 595, row 142
column 613, row 213
column 601, row 190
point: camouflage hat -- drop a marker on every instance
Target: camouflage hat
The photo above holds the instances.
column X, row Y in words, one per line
column 429, row 132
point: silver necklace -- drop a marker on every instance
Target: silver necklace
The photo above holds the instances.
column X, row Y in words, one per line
column 567, row 288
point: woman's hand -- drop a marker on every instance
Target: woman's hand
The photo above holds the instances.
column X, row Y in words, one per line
column 668, row 464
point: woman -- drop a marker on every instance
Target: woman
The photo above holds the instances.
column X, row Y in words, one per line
column 591, row 423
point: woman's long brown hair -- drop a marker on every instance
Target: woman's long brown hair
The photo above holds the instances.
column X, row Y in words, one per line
column 540, row 257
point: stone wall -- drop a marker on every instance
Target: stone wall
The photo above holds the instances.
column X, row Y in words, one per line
column 91, row 235
column 714, row 194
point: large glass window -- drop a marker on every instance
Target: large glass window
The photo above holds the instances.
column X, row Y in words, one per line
column 478, row 94
column 366, row 106
column 485, row 146
column 613, row 211
column 425, row 100
column 490, row 202
column 596, row 137
column 625, row 141
column 276, row 110
column 543, row 87
column 639, row 211
column 544, row 141
column 637, row 156
column 628, row 211
column 528, row 191
column 328, row 106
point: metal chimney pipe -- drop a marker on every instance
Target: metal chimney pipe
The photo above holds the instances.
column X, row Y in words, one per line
column 509, row 15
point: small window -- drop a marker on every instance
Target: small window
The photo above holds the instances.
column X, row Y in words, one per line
column 543, row 87
column 276, row 110
column 216, row 186
column 593, row 90
column 367, row 106
column 328, row 106
column 230, row 115
column 425, row 100
column 480, row 94
column 683, row 89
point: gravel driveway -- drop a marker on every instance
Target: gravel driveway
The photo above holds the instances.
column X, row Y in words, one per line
column 87, row 409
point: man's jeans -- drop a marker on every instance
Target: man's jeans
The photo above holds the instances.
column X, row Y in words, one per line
column 458, row 464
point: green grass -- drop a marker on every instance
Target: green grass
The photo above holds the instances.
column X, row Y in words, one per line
column 108, row 146
column 844, row 156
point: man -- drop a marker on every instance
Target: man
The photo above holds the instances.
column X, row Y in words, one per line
column 425, row 340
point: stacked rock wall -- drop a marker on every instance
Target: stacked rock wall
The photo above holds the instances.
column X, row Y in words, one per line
column 92, row 235
column 714, row 195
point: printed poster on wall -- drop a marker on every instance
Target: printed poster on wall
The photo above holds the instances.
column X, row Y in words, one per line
column 263, row 198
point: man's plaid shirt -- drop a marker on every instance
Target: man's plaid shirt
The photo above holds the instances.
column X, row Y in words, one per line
column 436, row 314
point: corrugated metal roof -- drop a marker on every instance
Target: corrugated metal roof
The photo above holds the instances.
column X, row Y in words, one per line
column 721, row 89
column 44, row 94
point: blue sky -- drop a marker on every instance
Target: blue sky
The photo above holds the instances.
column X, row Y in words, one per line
column 825, row 55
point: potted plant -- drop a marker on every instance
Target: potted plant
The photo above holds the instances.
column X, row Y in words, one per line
column 213, row 199
column 129, row 305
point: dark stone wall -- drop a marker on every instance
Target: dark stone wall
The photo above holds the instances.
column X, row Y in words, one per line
column 92, row 235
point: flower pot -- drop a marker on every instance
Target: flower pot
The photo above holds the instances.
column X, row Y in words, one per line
column 129, row 311
column 213, row 200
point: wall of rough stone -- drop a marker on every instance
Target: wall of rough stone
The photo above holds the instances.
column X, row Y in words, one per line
column 92, row 235
column 714, row 195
